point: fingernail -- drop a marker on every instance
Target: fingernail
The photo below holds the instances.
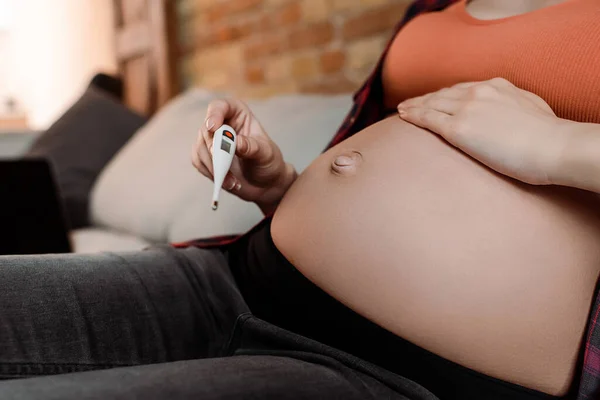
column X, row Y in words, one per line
column 232, row 183
column 245, row 147
column 402, row 112
column 209, row 123
column 210, row 149
column 238, row 186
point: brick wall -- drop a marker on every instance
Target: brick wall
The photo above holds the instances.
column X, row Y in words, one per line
column 258, row 48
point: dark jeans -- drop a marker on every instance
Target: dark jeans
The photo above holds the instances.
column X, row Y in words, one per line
column 162, row 323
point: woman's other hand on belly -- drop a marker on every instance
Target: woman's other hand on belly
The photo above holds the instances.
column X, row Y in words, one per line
column 510, row 130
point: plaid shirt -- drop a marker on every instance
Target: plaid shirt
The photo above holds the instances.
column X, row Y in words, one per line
column 366, row 111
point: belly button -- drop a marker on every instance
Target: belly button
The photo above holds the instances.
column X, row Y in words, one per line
column 346, row 163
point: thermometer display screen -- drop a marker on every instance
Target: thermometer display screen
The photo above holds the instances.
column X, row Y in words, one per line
column 225, row 146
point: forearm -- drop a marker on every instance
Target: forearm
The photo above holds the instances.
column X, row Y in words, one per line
column 272, row 198
column 579, row 158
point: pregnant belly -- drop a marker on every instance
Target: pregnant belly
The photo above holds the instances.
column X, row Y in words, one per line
column 429, row 244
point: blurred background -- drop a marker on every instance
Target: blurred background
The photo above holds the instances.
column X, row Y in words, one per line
column 49, row 49
column 101, row 100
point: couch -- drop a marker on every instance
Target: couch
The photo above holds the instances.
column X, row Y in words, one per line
column 150, row 193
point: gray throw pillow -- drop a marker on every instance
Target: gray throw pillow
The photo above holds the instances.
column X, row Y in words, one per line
column 80, row 143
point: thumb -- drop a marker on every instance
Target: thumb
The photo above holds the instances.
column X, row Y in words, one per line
column 251, row 148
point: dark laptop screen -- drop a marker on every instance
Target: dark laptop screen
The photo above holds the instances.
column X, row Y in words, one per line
column 31, row 215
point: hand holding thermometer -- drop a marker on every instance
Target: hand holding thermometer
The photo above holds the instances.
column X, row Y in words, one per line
column 224, row 143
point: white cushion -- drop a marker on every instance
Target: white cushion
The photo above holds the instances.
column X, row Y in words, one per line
column 150, row 188
column 143, row 187
column 95, row 240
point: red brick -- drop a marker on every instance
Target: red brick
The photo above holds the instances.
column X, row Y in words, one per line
column 246, row 28
column 332, row 61
column 203, row 38
column 286, row 16
column 305, row 67
column 262, row 24
column 215, row 14
column 311, row 36
column 238, row 6
column 225, row 34
column 255, row 74
column 332, row 85
column 280, row 47
column 381, row 19
column 230, row 32
column 229, row 8
column 263, row 47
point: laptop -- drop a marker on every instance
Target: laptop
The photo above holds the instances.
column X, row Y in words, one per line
column 32, row 220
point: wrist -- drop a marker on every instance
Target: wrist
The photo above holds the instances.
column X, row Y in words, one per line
column 577, row 163
column 272, row 197
column 558, row 146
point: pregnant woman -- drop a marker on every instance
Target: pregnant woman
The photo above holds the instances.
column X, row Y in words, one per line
column 395, row 266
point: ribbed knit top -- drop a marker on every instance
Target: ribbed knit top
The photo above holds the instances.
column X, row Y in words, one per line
column 553, row 52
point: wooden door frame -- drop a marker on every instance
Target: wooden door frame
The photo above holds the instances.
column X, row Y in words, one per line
column 146, row 43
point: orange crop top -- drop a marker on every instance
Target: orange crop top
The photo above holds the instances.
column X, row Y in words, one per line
column 553, row 52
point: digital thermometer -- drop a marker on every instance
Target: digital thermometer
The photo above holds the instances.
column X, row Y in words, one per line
column 223, row 151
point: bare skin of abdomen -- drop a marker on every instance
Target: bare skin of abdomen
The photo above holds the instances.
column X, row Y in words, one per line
column 492, row 274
